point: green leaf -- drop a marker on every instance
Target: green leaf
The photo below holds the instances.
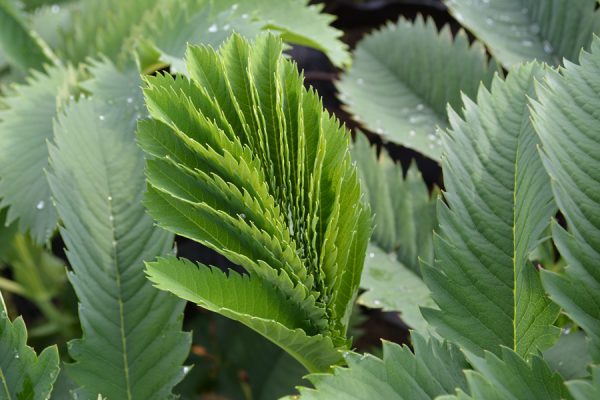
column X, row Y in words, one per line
column 568, row 128
column 298, row 23
column 434, row 369
column 404, row 211
column 24, row 375
column 569, row 356
column 405, row 74
column 246, row 162
column 498, row 204
column 22, row 47
column 132, row 345
column 509, row 377
column 585, row 390
column 524, row 30
column 25, row 129
column 393, row 287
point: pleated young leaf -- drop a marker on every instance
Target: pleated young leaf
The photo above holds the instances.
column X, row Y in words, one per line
column 524, row 30
column 434, row 369
column 498, row 204
column 25, row 128
column 405, row 74
column 132, row 345
column 246, row 162
column 567, row 123
column 24, row 374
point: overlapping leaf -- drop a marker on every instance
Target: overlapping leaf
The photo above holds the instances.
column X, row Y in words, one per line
column 162, row 29
column 25, row 128
column 509, row 377
column 405, row 74
column 246, row 162
column 23, row 48
column 498, row 204
column 567, row 123
column 403, row 233
column 523, row 30
column 433, row 370
column 132, row 345
column 24, row 374
column 404, row 211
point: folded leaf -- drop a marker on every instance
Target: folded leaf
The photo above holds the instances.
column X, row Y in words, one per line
column 24, row 375
column 245, row 161
column 498, row 204
column 132, row 345
column 567, row 124
column 405, row 74
column 524, row 30
column 585, row 390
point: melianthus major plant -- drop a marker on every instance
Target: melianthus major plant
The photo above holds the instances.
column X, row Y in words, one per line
column 241, row 158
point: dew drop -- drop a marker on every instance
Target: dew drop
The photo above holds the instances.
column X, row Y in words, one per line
column 109, row 198
column 243, row 216
column 360, row 81
column 234, row 7
column 55, row 9
column 527, row 43
column 111, row 218
column 458, row 16
column 413, row 119
column 114, row 243
column 420, row 107
column 376, row 302
column 226, row 27
column 489, row 21
column 102, row 118
column 244, row 16
column 431, row 146
column 40, row 205
column 412, row 132
column 431, row 137
column 187, row 368
column 17, row 356
column 371, row 255
column 548, row 47
column 129, row 100
column 213, row 28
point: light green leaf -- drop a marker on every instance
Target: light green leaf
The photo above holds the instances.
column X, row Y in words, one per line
column 509, row 377
column 567, row 124
column 405, row 74
column 393, row 287
column 404, row 211
column 524, row 30
column 498, row 204
column 434, row 369
column 22, row 47
column 24, row 375
column 25, row 128
column 246, row 162
column 132, row 345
